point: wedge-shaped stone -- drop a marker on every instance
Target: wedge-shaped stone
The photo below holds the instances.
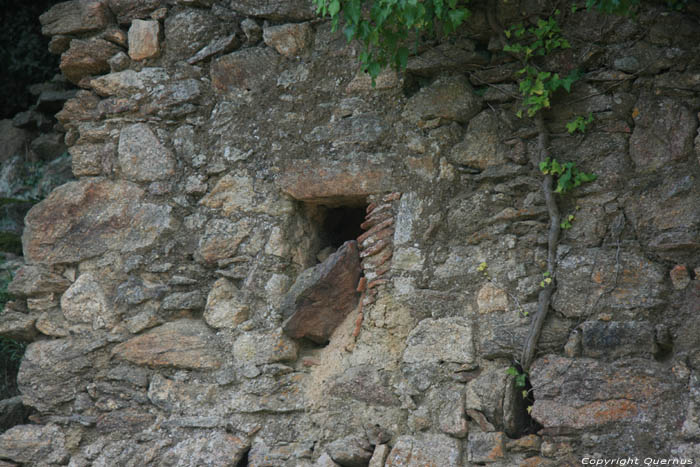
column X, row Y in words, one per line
column 323, row 296
column 75, row 17
column 182, row 344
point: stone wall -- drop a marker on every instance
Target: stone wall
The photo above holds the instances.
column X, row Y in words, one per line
column 185, row 303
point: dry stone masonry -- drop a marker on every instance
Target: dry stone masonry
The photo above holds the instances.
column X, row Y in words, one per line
column 266, row 261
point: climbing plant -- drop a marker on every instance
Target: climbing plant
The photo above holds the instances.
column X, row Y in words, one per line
column 386, row 27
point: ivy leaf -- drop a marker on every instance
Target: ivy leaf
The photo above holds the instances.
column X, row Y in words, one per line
column 334, row 7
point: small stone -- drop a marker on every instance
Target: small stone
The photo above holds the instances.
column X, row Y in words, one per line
column 18, row 326
column 351, row 451
column 447, row 99
column 491, row 298
column 33, row 280
column 252, row 30
column 249, row 69
column 326, row 461
column 143, row 39
column 34, row 444
column 289, row 39
column 85, row 302
column 116, row 36
column 183, row 301
column 486, row 447
column 379, row 456
column 425, row 450
column 217, row 46
column 87, row 58
column 184, row 343
column 196, row 184
column 441, row 340
column 213, row 448
column 322, row 296
column 529, row 443
column 225, row 306
column 680, row 277
column 141, row 155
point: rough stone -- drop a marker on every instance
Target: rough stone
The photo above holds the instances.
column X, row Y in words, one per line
column 322, row 297
column 85, row 302
column 183, row 301
column 189, row 30
column 365, row 383
column 289, row 39
column 143, row 39
column 482, row 146
column 221, row 239
column 215, row 47
column 491, row 298
column 351, row 451
column 141, row 155
column 261, row 348
column 663, row 133
column 183, row 397
column 55, row 371
column 87, row 58
column 48, row 146
column 17, row 326
column 208, row 448
column 276, row 10
column 680, row 277
column 32, row 280
column 441, row 340
column 425, row 450
column 181, row 344
column 615, row 339
column 127, row 10
column 251, row 69
column 84, row 219
column 485, row 394
column 628, row 391
column 239, row 193
column 34, row 444
column 486, row 448
column 75, row 17
column 379, row 456
column 129, row 82
column 338, row 181
column 447, row 58
column 92, row 159
column 226, row 307
column 449, row 99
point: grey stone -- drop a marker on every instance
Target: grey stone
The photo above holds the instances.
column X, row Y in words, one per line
column 17, row 326
column 485, row 394
column 459, row 57
column 48, row 146
column 260, row 348
column 75, row 17
column 129, row 82
column 183, row 301
column 482, row 145
column 119, row 62
column 251, row 69
column 215, row 47
column 33, row 280
column 141, row 155
column 448, row 99
column 188, row 31
column 208, row 448
column 351, row 451
column 663, row 133
column 92, row 159
column 276, row 10
column 289, row 39
column 486, row 447
column 616, row 339
column 426, row 449
column 54, row 371
column 111, row 216
column 441, row 340
column 226, row 306
column 365, row 383
column 85, row 302
column 34, row 444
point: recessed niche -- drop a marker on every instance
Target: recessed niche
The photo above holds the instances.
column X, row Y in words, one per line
column 341, row 224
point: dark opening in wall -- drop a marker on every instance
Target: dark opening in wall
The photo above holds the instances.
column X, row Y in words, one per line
column 244, row 462
column 341, row 224
column 522, row 398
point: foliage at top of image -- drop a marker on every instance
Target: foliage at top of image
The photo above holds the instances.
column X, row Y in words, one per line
column 24, row 53
column 385, row 27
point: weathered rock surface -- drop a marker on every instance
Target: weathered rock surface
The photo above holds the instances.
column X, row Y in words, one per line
column 277, row 10
column 126, row 10
column 75, row 17
column 323, row 296
column 217, row 448
column 83, row 219
column 181, row 344
column 85, row 302
column 289, row 39
column 32, row 280
column 34, row 444
column 425, row 450
column 141, row 155
column 87, row 58
column 264, row 347
column 249, row 69
column 446, row 100
column 55, row 371
column 441, row 340
column 226, row 306
column 143, row 39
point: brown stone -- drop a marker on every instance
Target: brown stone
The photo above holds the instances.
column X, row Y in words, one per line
column 335, row 182
column 83, row 219
column 323, row 296
column 680, row 277
column 181, row 344
column 82, row 108
column 17, row 325
column 75, row 17
column 289, row 39
column 34, row 444
column 127, row 10
column 276, row 10
column 86, row 58
column 92, row 159
column 143, row 39
column 248, row 69
column 31, row 280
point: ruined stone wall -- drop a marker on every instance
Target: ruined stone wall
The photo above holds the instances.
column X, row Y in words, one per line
column 222, row 149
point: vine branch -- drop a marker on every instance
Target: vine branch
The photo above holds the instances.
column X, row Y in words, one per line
column 545, row 296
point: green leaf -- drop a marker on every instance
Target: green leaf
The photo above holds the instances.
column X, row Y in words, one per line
column 334, row 7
